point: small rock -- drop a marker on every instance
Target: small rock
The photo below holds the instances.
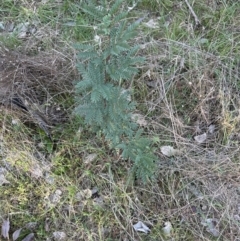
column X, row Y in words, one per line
column 59, row 236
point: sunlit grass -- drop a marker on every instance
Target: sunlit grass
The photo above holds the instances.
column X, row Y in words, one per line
column 197, row 84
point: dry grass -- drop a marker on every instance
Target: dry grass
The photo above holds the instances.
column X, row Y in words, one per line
column 196, row 95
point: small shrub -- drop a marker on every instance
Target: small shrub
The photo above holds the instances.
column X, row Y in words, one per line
column 106, row 66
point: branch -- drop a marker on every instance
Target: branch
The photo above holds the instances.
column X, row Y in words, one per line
column 197, row 21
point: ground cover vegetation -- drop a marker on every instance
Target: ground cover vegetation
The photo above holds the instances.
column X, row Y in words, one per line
column 63, row 176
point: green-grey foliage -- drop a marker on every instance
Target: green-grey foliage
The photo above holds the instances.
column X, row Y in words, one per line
column 106, row 65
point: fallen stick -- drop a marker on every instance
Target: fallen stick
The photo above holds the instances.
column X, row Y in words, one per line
column 197, row 22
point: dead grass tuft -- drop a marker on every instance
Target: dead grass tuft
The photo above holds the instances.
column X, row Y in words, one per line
column 40, row 87
column 191, row 93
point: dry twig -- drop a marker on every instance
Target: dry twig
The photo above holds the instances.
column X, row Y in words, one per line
column 197, row 21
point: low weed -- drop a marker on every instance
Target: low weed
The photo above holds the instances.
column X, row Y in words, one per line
column 188, row 86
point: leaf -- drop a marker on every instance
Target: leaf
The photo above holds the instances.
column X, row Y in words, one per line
column 90, row 158
column 3, row 170
column 201, row 138
column 70, row 23
column 169, row 151
column 36, row 171
column 195, row 191
column 97, row 39
column 211, row 224
column 22, row 29
column 31, row 225
column 15, row 122
column 139, row 119
column 47, row 224
column 2, row 27
column 59, row 236
column 211, row 129
column 29, row 237
column 115, row 7
column 167, row 229
column 131, row 8
column 3, row 180
column 56, row 197
column 152, row 83
column 203, row 41
column 16, row 234
column 94, row 192
column 5, row 228
column 49, row 178
column 151, row 24
column 98, row 201
column 87, row 193
column 236, row 217
column 141, row 227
